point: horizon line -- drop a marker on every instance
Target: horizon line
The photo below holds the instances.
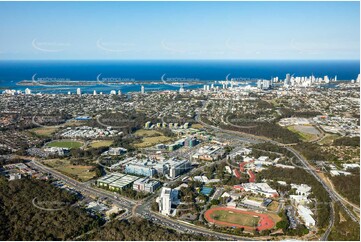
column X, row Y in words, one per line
column 4, row 60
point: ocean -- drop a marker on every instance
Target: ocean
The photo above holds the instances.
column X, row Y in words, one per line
column 12, row 72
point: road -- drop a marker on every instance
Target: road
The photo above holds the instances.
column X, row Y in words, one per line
column 355, row 207
column 144, row 211
column 333, row 195
column 140, row 208
column 324, row 237
column 84, row 187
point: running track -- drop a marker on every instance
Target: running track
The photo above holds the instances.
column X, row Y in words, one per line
column 265, row 222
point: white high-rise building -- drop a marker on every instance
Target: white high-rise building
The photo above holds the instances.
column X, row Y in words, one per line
column 78, row 91
column 119, row 92
column 95, row 92
column 326, row 79
column 167, row 197
column 288, row 79
column 142, row 90
column 358, row 78
column 27, row 91
column 264, row 84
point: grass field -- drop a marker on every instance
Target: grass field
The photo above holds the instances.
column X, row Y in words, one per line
column 147, row 133
column 273, row 206
column 303, row 133
column 101, row 143
column 197, row 126
column 44, row 131
column 274, row 217
column 235, row 218
column 328, row 139
column 65, row 144
column 150, row 138
column 81, row 173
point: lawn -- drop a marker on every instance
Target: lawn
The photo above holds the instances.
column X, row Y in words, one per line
column 78, row 172
column 328, row 139
column 273, row 206
column 305, row 132
column 150, row 138
column 274, row 217
column 235, row 218
column 44, row 131
column 150, row 141
column 101, row 143
column 147, row 133
column 65, row 144
column 197, row 126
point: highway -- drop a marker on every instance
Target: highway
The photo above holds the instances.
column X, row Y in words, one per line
column 144, row 211
column 140, row 208
column 333, row 195
column 83, row 187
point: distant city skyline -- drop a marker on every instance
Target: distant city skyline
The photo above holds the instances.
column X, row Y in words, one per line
column 179, row 30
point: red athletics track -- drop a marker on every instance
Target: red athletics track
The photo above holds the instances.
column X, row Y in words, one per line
column 265, row 221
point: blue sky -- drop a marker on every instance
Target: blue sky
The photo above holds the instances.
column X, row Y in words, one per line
column 179, row 30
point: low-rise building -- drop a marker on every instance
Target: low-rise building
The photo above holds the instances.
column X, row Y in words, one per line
column 209, row 153
column 140, row 168
column 60, row 151
column 258, row 188
column 115, row 151
column 116, row 181
column 306, row 216
column 146, row 185
column 150, row 167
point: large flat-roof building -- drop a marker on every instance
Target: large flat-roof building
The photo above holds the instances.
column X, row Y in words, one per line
column 145, row 185
column 116, row 181
column 258, row 188
column 305, row 214
column 141, row 168
column 171, row 167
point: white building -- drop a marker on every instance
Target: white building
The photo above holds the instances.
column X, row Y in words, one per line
column 78, row 91
column 259, row 188
column 350, row 166
column 338, row 172
column 27, row 91
column 115, row 151
column 167, row 197
column 56, row 150
column 305, row 214
column 302, row 189
column 14, row 176
column 299, row 199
